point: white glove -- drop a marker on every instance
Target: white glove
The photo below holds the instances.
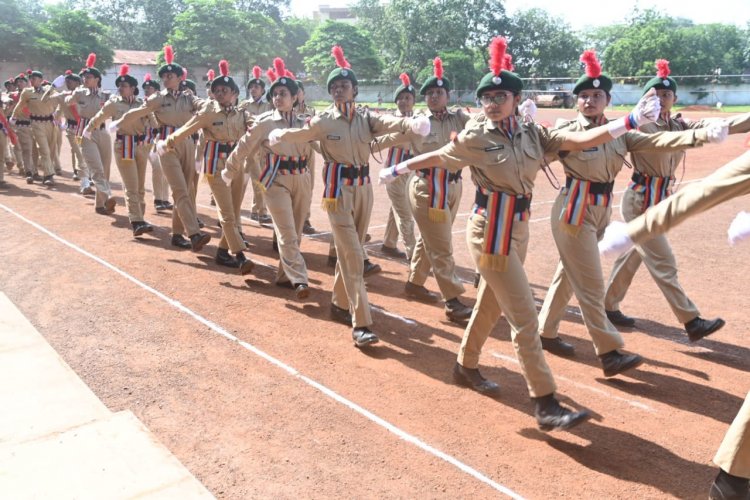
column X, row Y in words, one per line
column 717, row 132
column 226, row 176
column 153, row 156
column 647, row 110
column 87, row 133
column 198, row 166
column 63, row 125
column 274, row 137
column 616, row 240
column 59, row 81
column 12, row 121
column 161, row 147
column 420, row 125
column 739, row 229
column 112, row 126
column 527, row 109
column 389, row 174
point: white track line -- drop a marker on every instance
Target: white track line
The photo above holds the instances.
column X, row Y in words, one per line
column 401, row 434
column 601, row 392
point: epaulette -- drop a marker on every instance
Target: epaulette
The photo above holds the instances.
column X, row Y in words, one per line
column 562, row 123
column 264, row 115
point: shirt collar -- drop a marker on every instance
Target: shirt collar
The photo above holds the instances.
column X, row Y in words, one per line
column 588, row 123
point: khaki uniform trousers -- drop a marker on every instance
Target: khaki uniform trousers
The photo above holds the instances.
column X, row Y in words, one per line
column 44, row 137
column 97, row 153
column 506, row 293
column 288, row 200
column 252, row 167
column 349, row 223
column 657, row 255
column 434, row 248
column 228, row 199
column 579, row 272
column 17, row 154
column 57, row 136
column 733, row 455
column 159, row 183
column 311, row 169
column 27, row 146
column 727, row 182
column 178, row 166
column 133, row 173
column 400, row 218
column 3, row 147
column 76, row 157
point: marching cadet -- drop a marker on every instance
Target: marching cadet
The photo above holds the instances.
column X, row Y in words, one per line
column 70, row 114
column 11, row 154
column 400, row 219
column 345, row 135
column 256, row 105
column 302, row 108
column 284, row 177
column 131, row 149
column 505, row 155
column 172, row 109
column 6, row 136
column 22, row 127
column 653, row 175
column 159, row 183
column 581, row 213
column 42, row 126
column 223, row 124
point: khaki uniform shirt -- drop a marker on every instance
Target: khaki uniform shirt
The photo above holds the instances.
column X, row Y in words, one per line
column 87, row 103
column 256, row 108
column 115, row 108
column 218, row 124
column 32, row 99
column 169, row 109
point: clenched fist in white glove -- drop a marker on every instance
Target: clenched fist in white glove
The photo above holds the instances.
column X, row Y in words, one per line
column 161, row 147
column 274, row 137
column 717, row 132
column 527, row 110
column 112, row 126
column 420, row 125
column 59, row 81
column 389, row 174
column 739, row 229
column 226, row 176
column 87, row 133
column 646, row 111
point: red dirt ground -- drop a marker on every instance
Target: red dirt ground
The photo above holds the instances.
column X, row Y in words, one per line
column 249, row 429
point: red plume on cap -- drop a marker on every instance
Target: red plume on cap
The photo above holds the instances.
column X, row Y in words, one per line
column 28, row 71
column 437, row 65
column 68, row 72
column 508, row 63
column 91, row 60
column 593, row 67
column 291, row 75
column 256, row 72
column 168, row 54
column 270, row 75
column 278, row 67
column 124, row 69
column 184, row 74
column 405, row 79
column 147, row 77
column 224, row 67
column 338, row 54
column 662, row 68
column 210, row 75
column 498, row 47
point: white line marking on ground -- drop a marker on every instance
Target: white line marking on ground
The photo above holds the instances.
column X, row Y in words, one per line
column 393, row 315
column 401, row 434
column 601, row 392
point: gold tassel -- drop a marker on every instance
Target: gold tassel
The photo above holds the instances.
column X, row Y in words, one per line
column 437, row 215
column 495, row 262
column 260, row 185
column 571, row 229
column 329, row 204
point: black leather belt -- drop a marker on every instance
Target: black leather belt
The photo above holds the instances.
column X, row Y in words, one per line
column 523, row 202
column 594, row 187
column 47, row 118
column 23, row 123
column 226, row 148
column 295, row 165
column 196, row 136
column 72, row 123
column 452, row 177
column 355, row 172
column 138, row 138
column 644, row 180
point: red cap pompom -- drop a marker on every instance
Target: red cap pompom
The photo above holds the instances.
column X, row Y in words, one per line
column 278, row 67
column 168, row 54
column 405, row 79
column 91, row 60
column 662, row 68
column 498, row 47
column 338, row 54
column 437, row 65
column 224, row 67
column 256, row 72
column 68, row 72
column 593, row 67
column 270, row 75
column 28, row 72
column 210, row 75
column 124, row 69
column 147, row 77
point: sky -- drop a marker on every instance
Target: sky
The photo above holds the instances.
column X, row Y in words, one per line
column 580, row 14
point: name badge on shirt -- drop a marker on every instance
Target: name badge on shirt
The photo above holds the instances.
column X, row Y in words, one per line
column 217, row 123
column 589, row 150
column 83, row 103
column 166, row 104
column 495, row 148
column 333, row 137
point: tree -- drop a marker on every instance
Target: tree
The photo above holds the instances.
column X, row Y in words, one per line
column 17, row 29
column 296, row 33
column 268, row 8
column 358, row 49
column 458, row 67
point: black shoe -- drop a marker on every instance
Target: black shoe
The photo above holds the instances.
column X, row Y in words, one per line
column 275, row 244
column 201, row 225
column 341, row 315
column 212, row 202
column 362, row 336
column 728, row 487
column 471, row 378
column 166, row 205
column 698, row 328
column 558, row 346
column 246, row 265
column 265, row 219
column 254, row 216
column 87, row 191
column 198, row 241
column 331, row 262
column 615, row 362
column 551, row 416
column 141, row 227
column 110, row 205
column 368, row 237
column 180, row 241
column 159, row 205
column 48, row 180
column 102, row 211
column 224, row 259
column 619, row 319
column 3, row 184
column 302, row 291
column 370, row 269
column 456, row 311
column 393, row 252
column 38, row 178
column 308, row 229
column 29, row 178
column 421, row 293
column 477, row 277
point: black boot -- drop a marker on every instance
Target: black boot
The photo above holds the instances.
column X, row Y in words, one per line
column 224, row 259
column 728, row 487
column 198, row 241
column 471, row 378
column 246, row 265
column 551, row 416
column 370, row 268
column 697, row 328
column 180, row 241
column 456, row 311
column 362, row 336
column 558, row 346
column 615, row 362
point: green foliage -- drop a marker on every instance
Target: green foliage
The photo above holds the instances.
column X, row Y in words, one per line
column 17, row 30
column 358, row 50
column 296, row 33
column 458, row 67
